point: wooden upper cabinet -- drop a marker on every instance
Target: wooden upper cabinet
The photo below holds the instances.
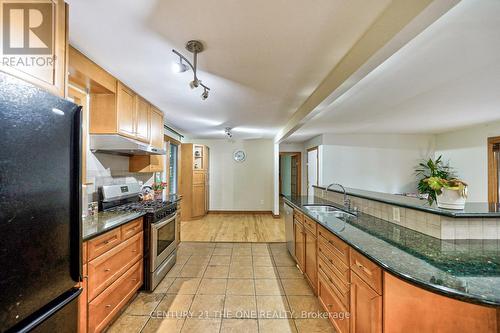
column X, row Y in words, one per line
column 126, row 107
column 143, row 119
column 156, row 128
column 47, row 70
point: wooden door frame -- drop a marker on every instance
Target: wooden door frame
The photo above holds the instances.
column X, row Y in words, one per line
column 299, row 167
column 492, row 171
column 307, row 166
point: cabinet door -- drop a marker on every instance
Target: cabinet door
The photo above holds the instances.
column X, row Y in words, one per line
column 299, row 245
column 143, row 119
column 310, row 264
column 198, row 208
column 366, row 307
column 156, row 128
column 44, row 63
column 126, row 110
column 82, row 303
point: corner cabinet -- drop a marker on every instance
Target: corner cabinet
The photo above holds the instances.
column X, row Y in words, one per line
column 194, row 183
column 51, row 74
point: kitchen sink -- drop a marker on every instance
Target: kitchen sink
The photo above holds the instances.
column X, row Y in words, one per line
column 328, row 210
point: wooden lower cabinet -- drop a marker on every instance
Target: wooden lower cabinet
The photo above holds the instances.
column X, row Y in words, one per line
column 299, row 244
column 337, row 313
column 83, row 300
column 366, row 307
column 112, row 275
column 311, row 259
column 409, row 308
column 105, row 306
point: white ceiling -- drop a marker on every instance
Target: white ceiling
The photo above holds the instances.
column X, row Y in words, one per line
column 446, row 78
column 262, row 59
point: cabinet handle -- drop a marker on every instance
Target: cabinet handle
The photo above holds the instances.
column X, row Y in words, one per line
column 107, row 269
column 331, row 261
column 329, row 305
column 134, row 251
column 108, row 305
column 134, row 280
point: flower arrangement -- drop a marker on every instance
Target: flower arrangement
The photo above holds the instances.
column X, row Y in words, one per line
column 438, row 181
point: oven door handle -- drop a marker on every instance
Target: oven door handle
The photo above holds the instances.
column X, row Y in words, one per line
column 160, row 224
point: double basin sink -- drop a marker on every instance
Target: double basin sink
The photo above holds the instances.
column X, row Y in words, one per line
column 326, row 210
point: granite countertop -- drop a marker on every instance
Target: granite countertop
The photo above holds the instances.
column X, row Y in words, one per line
column 468, row 270
column 93, row 226
column 472, row 209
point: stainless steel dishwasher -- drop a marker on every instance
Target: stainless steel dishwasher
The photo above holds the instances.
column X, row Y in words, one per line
column 290, row 238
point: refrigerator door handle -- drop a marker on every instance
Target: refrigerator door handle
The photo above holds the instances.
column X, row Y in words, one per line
column 76, row 270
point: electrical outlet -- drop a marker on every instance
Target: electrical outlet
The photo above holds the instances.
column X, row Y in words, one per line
column 262, row 201
column 396, row 214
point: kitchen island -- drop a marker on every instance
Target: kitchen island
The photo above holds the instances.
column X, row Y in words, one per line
column 457, row 276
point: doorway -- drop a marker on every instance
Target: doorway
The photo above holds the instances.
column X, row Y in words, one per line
column 312, row 169
column 494, row 170
column 290, row 165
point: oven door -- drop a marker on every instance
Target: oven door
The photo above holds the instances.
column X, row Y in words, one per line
column 163, row 240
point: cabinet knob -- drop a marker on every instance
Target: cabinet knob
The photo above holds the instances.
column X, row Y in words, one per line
column 134, row 280
column 330, row 305
column 108, row 305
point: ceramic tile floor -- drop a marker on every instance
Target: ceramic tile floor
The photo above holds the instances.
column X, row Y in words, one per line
column 227, row 287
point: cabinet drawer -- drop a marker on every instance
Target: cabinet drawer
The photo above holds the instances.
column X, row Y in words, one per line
column 105, row 269
column 310, row 224
column 198, row 177
column 367, row 271
column 84, row 253
column 101, row 244
column 334, row 244
column 337, row 265
column 131, row 228
column 105, row 306
column 340, row 289
column 298, row 216
column 339, row 316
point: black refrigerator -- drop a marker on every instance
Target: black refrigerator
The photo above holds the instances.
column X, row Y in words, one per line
column 40, row 209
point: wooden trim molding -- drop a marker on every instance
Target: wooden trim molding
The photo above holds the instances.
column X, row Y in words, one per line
column 492, row 171
column 241, row 212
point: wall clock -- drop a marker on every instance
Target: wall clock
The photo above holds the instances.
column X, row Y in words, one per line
column 239, row 155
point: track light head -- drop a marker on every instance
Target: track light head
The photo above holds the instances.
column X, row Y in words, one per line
column 179, row 67
column 204, row 96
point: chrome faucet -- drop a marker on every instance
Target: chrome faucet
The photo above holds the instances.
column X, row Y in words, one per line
column 347, row 202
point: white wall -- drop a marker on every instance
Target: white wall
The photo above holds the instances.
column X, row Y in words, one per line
column 376, row 162
column 240, row 186
column 467, row 152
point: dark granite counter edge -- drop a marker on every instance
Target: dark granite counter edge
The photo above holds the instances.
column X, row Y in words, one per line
column 419, row 283
column 427, row 209
column 114, row 226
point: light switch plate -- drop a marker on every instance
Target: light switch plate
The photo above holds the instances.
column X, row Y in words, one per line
column 396, row 214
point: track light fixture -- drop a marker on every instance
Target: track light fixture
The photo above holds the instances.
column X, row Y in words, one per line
column 194, row 47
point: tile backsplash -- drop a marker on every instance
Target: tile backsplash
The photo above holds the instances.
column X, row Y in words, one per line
column 434, row 225
column 107, row 169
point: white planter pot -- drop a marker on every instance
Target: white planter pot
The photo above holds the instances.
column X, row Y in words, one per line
column 450, row 199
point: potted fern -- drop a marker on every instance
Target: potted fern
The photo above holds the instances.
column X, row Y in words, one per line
column 437, row 180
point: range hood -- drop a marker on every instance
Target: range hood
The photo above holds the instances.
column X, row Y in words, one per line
column 120, row 145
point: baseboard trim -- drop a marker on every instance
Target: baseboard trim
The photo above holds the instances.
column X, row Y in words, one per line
column 240, row 212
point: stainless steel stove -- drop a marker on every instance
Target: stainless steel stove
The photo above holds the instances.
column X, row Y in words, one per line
column 160, row 235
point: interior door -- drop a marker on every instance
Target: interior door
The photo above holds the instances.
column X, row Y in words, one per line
column 294, row 175
column 312, row 170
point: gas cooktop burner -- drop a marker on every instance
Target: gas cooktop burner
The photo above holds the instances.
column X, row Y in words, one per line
column 143, row 206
